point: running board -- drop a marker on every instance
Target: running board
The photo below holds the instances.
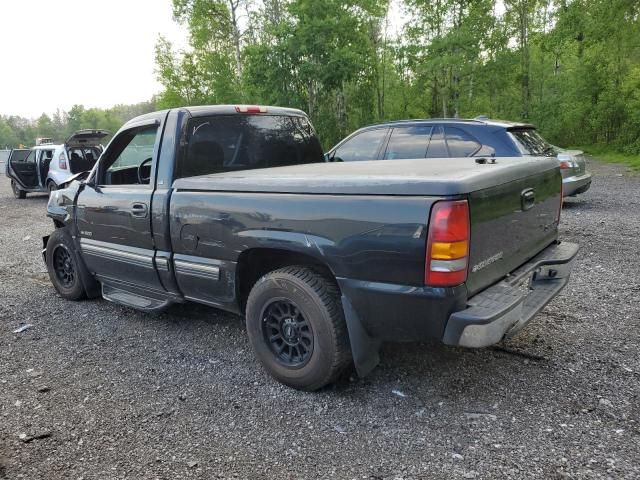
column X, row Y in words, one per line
column 139, row 302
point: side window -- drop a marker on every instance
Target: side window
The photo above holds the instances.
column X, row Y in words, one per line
column 128, row 160
column 437, row 145
column 363, row 146
column 460, row 143
column 408, row 142
column 46, row 155
column 31, row 158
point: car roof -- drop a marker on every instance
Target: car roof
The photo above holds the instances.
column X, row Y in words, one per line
column 46, row 146
column 471, row 121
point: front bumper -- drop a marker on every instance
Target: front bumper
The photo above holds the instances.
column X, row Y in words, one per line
column 576, row 184
column 505, row 308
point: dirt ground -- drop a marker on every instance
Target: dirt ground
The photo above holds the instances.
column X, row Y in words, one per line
column 93, row 390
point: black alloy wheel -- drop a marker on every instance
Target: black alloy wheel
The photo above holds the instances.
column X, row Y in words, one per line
column 64, row 266
column 66, row 270
column 287, row 332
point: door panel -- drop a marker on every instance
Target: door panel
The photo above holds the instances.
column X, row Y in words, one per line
column 115, row 234
column 113, row 214
column 24, row 169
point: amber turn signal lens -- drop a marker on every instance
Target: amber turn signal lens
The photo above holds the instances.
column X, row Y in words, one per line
column 449, row 250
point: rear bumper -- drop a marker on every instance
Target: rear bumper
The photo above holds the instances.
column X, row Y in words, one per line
column 505, row 308
column 576, row 184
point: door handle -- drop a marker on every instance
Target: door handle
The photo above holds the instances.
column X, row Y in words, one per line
column 139, row 210
column 527, row 198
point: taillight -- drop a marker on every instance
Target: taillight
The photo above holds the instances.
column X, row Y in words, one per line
column 250, row 109
column 62, row 161
column 447, row 244
column 561, row 200
column 564, row 165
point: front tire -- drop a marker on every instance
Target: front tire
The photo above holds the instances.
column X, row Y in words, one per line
column 17, row 191
column 297, row 329
column 63, row 266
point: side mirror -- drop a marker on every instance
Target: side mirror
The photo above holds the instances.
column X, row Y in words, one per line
column 327, row 157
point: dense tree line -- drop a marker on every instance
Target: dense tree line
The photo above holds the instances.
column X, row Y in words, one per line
column 18, row 131
column 572, row 67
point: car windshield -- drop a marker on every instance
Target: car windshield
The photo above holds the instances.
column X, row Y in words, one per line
column 531, row 142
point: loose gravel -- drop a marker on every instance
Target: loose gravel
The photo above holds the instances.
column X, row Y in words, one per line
column 93, row 390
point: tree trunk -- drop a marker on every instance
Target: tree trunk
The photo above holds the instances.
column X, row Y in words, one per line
column 524, row 57
column 233, row 4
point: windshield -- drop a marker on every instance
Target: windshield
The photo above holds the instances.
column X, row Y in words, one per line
column 531, row 142
column 226, row 143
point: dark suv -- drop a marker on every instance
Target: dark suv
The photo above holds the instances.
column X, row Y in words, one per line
column 480, row 137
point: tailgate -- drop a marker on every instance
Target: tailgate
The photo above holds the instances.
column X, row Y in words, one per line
column 510, row 224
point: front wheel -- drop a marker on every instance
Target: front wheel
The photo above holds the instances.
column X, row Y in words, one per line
column 63, row 266
column 297, row 329
column 17, row 191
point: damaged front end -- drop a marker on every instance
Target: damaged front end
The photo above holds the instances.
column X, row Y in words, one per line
column 61, row 207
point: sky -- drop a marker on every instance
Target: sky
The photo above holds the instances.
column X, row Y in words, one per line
column 57, row 53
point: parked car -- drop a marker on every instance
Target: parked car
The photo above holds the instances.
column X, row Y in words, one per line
column 440, row 138
column 44, row 167
column 325, row 260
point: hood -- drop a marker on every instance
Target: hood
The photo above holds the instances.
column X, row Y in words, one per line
column 86, row 138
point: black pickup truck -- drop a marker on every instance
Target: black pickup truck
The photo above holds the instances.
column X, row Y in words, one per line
column 235, row 208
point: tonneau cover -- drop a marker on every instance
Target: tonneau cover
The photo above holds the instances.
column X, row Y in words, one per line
column 426, row 176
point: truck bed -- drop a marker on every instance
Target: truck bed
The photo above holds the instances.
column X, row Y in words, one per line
column 432, row 177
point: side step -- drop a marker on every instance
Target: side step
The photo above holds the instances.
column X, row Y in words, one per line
column 146, row 303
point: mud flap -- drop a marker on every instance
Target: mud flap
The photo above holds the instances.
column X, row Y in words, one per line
column 364, row 349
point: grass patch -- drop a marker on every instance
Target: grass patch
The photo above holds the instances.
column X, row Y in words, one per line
column 607, row 154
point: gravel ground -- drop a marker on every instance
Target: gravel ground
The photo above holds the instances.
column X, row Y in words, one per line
column 94, row 390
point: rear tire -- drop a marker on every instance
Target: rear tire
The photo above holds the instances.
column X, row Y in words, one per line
column 297, row 329
column 63, row 266
column 51, row 186
column 17, row 191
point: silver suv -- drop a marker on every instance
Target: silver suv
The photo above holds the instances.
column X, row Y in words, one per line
column 44, row 167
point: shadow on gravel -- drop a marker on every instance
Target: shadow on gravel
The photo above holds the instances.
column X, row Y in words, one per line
column 574, row 204
column 194, row 335
column 34, row 197
column 186, row 312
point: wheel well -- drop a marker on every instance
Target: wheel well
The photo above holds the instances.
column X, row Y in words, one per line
column 256, row 262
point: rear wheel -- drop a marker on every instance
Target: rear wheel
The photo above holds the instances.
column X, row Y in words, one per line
column 63, row 266
column 297, row 328
column 51, row 186
column 17, row 191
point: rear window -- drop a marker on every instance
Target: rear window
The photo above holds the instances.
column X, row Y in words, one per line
column 226, row 143
column 530, row 142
